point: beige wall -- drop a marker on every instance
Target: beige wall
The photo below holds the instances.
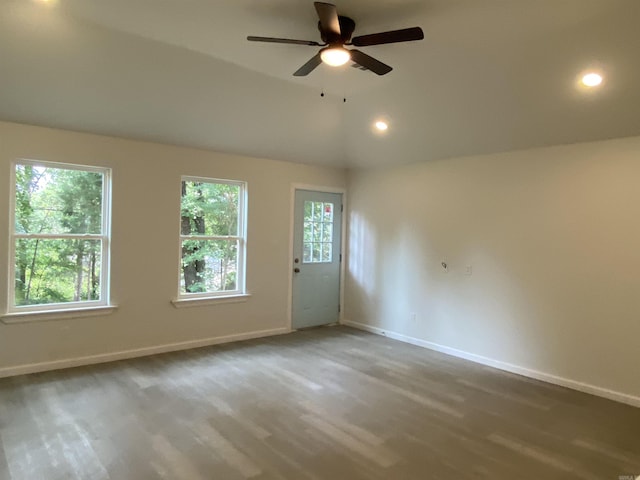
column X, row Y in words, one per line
column 145, row 227
column 553, row 239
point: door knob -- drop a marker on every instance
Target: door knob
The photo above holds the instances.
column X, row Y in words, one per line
column 296, row 270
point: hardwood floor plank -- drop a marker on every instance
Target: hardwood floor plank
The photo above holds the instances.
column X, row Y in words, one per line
column 327, row 403
column 4, row 467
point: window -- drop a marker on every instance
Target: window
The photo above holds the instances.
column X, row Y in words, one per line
column 318, row 232
column 60, row 237
column 212, row 237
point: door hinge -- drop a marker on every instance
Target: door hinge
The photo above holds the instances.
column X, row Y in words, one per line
column 338, row 308
column 341, row 257
column 342, row 208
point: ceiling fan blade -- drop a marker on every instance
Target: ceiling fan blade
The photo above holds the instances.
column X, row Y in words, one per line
column 251, row 38
column 329, row 21
column 308, row 67
column 376, row 66
column 394, row 36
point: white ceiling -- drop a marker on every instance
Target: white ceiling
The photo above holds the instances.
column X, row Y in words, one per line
column 490, row 76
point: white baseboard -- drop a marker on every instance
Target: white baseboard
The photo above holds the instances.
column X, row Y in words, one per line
column 139, row 352
column 526, row 372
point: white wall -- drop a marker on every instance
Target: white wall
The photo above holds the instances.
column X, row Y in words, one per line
column 145, row 228
column 553, row 238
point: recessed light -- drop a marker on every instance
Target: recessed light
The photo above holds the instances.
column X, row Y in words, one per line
column 592, row 79
column 381, row 125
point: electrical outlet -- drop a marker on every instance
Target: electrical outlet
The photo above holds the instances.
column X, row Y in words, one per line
column 412, row 316
column 468, row 270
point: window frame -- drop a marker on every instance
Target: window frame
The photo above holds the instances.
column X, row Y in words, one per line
column 241, row 289
column 104, row 238
column 322, row 222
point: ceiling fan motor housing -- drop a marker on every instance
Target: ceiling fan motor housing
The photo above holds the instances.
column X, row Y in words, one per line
column 347, row 27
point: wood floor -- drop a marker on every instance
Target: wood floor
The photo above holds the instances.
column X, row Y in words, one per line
column 330, row 403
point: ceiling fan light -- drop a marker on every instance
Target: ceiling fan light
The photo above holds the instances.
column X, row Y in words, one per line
column 335, row 56
column 592, row 79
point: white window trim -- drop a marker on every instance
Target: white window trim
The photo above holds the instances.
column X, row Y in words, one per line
column 17, row 313
column 240, row 293
column 201, row 302
column 67, row 313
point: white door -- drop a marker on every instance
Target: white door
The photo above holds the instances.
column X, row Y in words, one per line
column 316, row 258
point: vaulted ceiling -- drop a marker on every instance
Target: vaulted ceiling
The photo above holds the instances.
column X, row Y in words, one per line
column 490, row 76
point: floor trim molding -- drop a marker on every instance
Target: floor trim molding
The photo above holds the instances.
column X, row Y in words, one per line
column 526, row 372
column 138, row 352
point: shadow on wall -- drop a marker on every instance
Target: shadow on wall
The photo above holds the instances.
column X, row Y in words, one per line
column 361, row 275
column 400, row 235
column 362, row 241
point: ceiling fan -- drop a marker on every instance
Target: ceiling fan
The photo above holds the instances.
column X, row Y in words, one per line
column 336, row 31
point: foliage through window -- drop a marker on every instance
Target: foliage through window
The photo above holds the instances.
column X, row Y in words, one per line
column 60, row 237
column 318, row 232
column 212, row 237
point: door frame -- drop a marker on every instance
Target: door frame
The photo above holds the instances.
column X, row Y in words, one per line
column 343, row 239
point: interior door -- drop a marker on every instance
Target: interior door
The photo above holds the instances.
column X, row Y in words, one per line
column 316, row 258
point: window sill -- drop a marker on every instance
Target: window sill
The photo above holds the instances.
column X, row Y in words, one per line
column 43, row 316
column 202, row 301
